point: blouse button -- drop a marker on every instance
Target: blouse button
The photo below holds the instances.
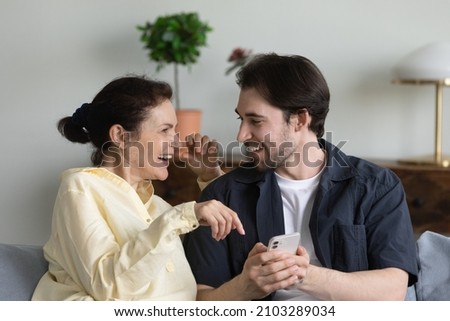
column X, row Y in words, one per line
column 170, row 267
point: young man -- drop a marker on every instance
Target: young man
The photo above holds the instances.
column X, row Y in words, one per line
column 356, row 235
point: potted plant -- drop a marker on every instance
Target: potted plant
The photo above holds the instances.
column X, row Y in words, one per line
column 175, row 39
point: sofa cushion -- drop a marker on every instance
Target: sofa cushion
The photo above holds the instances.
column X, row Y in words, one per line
column 21, row 267
column 433, row 252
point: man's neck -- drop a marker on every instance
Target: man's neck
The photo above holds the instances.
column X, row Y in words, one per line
column 309, row 165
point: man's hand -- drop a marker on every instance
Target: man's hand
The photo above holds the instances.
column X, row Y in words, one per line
column 264, row 272
column 267, row 271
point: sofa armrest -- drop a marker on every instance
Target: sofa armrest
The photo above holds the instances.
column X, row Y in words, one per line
column 21, row 267
column 433, row 251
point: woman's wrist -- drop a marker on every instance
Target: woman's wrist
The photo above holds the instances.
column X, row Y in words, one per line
column 210, row 174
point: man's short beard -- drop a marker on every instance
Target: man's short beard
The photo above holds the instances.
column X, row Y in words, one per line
column 269, row 163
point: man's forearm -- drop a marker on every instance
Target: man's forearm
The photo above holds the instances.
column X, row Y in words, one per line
column 383, row 284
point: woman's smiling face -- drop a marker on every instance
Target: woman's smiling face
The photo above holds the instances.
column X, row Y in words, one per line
column 148, row 156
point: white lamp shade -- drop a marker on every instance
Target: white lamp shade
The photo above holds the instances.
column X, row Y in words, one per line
column 430, row 62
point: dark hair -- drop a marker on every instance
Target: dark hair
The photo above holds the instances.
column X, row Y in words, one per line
column 124, row 101
column 292, row 83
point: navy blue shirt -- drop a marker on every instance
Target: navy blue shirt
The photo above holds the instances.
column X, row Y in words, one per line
column 360, row 220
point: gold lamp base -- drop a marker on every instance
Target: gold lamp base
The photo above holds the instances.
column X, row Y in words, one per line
column 438, row 159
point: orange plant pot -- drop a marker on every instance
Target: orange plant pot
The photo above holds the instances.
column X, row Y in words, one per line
column 189, row 122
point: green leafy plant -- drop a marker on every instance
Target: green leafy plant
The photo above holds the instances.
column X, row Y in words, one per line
column 174, row 39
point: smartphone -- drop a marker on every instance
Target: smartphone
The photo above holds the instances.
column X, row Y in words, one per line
column 286, row 242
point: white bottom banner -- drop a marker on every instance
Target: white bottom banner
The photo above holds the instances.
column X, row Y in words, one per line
column 225, row 310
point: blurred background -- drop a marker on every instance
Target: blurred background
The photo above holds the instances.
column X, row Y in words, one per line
column 56, row 55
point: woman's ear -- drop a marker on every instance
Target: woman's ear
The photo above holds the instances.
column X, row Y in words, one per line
column 117, row 135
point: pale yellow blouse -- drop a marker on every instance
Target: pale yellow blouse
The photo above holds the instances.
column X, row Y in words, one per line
column 109, row 242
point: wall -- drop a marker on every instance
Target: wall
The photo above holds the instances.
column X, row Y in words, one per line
column 55, row 55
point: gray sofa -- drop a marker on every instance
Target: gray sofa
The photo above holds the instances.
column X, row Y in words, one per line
column 22, row 266
column 433, row 283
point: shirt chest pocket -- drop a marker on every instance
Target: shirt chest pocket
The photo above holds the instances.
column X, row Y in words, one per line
column 350, row 248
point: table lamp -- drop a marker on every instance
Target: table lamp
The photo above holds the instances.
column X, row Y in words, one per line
column 428, row 65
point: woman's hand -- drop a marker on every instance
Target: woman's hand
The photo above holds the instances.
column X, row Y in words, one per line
column 221, row 218
column 202, row 156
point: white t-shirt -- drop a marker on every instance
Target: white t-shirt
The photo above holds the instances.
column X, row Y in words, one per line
column 298, row 199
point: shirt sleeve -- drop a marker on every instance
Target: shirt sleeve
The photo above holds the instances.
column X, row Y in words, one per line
column 103, row 266
column 391, row 240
